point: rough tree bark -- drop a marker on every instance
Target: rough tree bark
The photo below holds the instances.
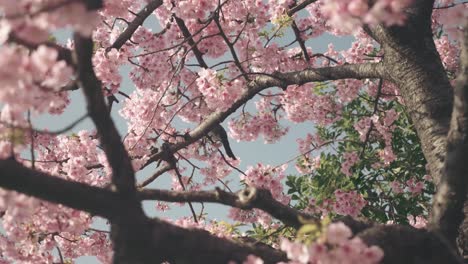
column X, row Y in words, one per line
column 413, row 64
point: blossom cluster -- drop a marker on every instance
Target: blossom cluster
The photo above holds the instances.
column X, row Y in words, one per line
column 35, row 228
column 336, row 246
column 248, row 127
column 344, row 203
column 145, row 114
column 217, row 94
column 33, row 81
column 170, row 87
column 350, row 15
column 306, row 164
column 264, row 177
column 107, row 68
column 348, row 203
column 412, row 186
column 32, row 20
column 217, row 169
column 350, row 158
column 448, row 52
column 302, row 104
column 452, row 15
column 384, row 126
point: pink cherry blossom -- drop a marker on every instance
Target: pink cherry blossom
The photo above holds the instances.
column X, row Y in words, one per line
column 350, row 158
column 336, row 246
column 348, row 203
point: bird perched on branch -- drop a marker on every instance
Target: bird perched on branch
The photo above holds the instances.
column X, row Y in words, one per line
column 218, row 134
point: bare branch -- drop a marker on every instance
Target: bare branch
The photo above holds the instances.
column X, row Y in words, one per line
column 247, row 199
column 355, row 71
column 55, row 132
column 371, row 127
column 230, row 46
column 153, row 177
column 133, row 26
column 189, row 38
column 301, row 42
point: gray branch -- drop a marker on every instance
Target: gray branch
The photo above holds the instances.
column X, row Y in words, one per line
column 264, row 81
column 247, row 199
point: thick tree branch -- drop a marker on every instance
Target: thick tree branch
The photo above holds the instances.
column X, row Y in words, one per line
column 401, row 244
column 132, row 243
column 169, row 242
column 180, row 245
column 136, row 242
column 16, row 177
column 123, row 176
column 408, row 245
column 447, row 211
column 352, row 71
column 413, row 64
column 417, row 25
column 248, row 198
column 133, row 26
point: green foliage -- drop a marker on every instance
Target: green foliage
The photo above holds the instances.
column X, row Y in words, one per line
column 277, row 31
column 270, row 235
column 14, row 135
column 310, row 232
column 371, row 181
column 283, row 21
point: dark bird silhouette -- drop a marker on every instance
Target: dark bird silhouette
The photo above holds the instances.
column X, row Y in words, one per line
column 219, row 134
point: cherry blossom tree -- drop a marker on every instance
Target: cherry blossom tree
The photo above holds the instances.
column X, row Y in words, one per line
column 382, row 179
